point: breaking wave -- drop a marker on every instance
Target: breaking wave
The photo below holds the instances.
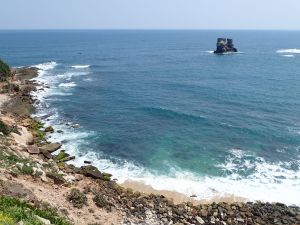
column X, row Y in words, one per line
column 288, row 56
column 272, row 178
column 292, row 50
column 80, row 66
column 68, row 85
column 46, row 66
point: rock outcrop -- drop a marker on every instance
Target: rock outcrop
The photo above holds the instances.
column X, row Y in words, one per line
column 225, row 46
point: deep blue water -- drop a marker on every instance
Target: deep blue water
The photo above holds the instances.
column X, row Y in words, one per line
column 159, row 107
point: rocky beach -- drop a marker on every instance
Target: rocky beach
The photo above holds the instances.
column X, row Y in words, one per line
column 36, row 174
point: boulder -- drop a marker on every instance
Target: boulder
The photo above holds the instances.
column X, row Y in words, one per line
column 49, row 129
column 50, row 147
column 46, row 154
column 66, row 159
column 33, row 149
column 91, row 171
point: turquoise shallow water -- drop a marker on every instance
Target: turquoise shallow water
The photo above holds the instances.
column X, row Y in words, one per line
column 159, row 107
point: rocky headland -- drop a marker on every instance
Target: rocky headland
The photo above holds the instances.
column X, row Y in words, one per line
column 38, row 186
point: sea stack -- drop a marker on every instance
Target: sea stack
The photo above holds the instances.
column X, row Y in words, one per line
column 225, row 45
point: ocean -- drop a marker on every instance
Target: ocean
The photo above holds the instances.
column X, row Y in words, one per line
column 157, row 106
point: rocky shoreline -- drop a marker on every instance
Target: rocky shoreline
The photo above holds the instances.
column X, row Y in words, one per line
column 34, row 170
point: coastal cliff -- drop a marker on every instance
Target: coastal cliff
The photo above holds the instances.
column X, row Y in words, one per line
column 37, row 186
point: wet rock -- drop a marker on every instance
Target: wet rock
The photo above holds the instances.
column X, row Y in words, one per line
column 49, row 129
column 87, row 162
column 75, row 125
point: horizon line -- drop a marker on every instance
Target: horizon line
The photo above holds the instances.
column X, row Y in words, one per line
column 141, row 29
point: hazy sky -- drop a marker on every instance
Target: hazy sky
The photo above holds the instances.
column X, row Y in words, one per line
column 150, row 14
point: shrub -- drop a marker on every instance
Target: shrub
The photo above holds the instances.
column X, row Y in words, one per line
column 27, row 170
column 4, row 70
column 4, row 128
column 77, row 198
column 100, row 201
column 11, row 87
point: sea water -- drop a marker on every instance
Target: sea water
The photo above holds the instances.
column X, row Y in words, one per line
column 160, row 108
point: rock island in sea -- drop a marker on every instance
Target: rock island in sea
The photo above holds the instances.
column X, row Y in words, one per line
column 225, row 45
column 37, row 186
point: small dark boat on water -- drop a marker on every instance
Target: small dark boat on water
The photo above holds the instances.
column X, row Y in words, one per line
column 225, row 45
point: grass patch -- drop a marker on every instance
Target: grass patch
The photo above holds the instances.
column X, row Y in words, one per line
column 13, row 210
column 9, row 159
column 38, row 133
column 27, row 170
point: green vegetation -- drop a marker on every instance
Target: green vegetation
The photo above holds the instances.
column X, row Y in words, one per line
column 8, row 159
column 106, row 176
column 10, row 87
column 61, row 156
column 13, row 211
column 4, row 128
column 15, row 163
column 27, row 169
column 4, row 71
column 100, row 201
column 77, row 198
column 35, row 128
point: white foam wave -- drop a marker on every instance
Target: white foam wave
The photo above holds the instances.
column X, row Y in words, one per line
column 80, row 66
column 272, row 178
column 291, row 50
column 70, row 75
column 68, row 85
column 46, row 66
column 288, row 56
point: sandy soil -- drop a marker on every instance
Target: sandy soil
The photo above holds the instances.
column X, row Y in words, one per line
column 3, row 99
column 56, row 196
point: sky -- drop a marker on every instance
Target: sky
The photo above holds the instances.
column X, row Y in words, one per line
column 150, row 14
